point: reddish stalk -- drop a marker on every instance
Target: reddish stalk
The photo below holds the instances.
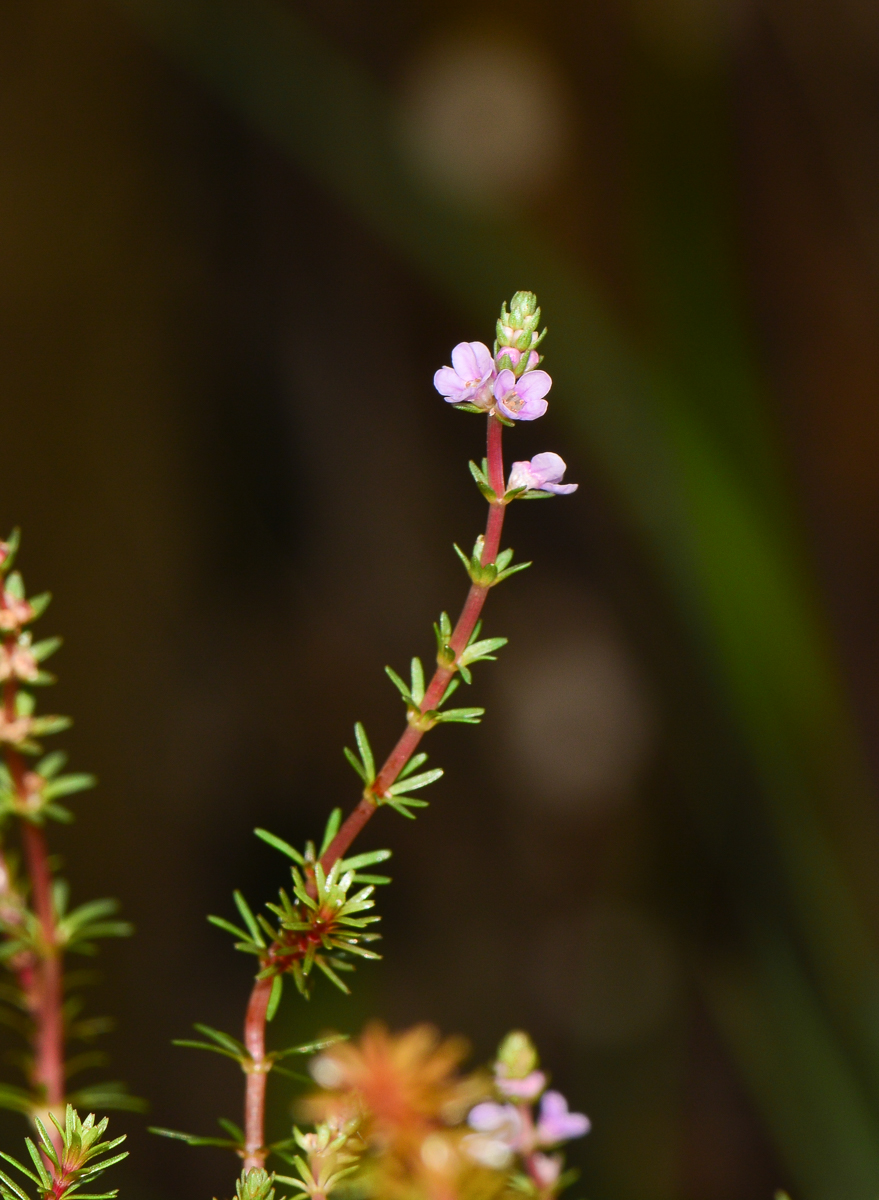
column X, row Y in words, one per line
column 39, row 975
column 255, row 1021
column 257, row 1072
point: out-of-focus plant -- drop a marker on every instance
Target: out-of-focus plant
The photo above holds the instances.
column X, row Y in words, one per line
column 37, row 926
column 394, row 1117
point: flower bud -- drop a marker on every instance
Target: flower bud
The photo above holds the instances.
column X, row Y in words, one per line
column 518, row 327
column 516, row 1056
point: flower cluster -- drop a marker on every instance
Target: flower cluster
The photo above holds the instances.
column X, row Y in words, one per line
column 424, row 1130
column 510, row 386
column 506, row 1131
column 507, row 383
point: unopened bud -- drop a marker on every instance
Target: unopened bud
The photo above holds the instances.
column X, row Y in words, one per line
column 516, row 1056
column 517, row 328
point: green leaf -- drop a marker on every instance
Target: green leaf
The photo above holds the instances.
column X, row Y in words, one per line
column 248, row 917
column 192, row 1139
column 15, row 1099
column 51, row 764
column 45, row 648
column 355, row 763
column 222, row 923
column 417, row 781
column 401, row 687
column 412, row 765
column 66, row 785
column 12, row 544
column 332, row 828
column 512, row 571
column 417, row 672
column 466, row 716
column 365, row 752
column 39, row 604
column 369, row 859
column 275, row 997
column 280, row 844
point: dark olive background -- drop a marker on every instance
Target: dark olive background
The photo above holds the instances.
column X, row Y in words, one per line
column 221, row 440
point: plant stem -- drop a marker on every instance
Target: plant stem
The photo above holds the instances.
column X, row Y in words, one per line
column 41, row 978
column 49, row 1038
column 442, row 677
column 255, row 1021
column 257, row 1073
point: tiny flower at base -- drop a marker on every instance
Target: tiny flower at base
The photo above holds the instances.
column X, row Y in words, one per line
column 556, row 1124
column 522, row 399
column 542, row 474
column 468, row 379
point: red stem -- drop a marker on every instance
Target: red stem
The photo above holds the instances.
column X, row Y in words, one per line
column 255, row 1151
column 257, row 1073
column 436, row 689
column 40, row 978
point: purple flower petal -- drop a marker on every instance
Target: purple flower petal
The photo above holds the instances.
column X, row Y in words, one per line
column 522, row 475
column 472, row 361
column 560, row 489
column 534, row 385
column 487, row 1117
column 450, row 385
column 504, row 384
column 549, row 467
column 556, row 1124
column 531, row 409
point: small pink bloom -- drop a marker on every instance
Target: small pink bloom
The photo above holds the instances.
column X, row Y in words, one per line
column 14, row 612
column 499, row 1133
column 522, row 399
column 556, row 1124
column 18, row 663
column 542, row 474
column 545, row 1169
column 528, row 1088
column 468, row 379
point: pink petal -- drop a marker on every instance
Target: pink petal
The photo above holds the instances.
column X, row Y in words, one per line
column 449, row 384
column 548, row 467
column 522, row 475
column 534, row 385
column 472, row 360
column 531, row 410
column 504, row 384
column 484, row 360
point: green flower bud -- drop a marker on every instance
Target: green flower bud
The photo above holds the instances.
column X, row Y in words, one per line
column 255, row 1184
column 518, row 327
column 516, row 1055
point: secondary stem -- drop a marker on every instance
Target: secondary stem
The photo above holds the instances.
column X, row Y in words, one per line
column 255, row 1151
column 40, row 976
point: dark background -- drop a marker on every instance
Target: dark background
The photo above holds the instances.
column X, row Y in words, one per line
column 236, row 240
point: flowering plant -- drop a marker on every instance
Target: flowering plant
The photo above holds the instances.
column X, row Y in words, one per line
column 392, row 1114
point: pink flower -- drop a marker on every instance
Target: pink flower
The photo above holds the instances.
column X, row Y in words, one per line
column 556, row 1124
column 528, row 1088
column 468, row 379
column 545, row 1169
column 542, row 474
column 522, row 399
column 500, row 1132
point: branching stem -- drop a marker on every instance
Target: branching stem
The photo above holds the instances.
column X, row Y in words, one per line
column 255, row 1021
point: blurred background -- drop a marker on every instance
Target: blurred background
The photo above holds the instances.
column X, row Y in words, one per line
column 236, row 239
